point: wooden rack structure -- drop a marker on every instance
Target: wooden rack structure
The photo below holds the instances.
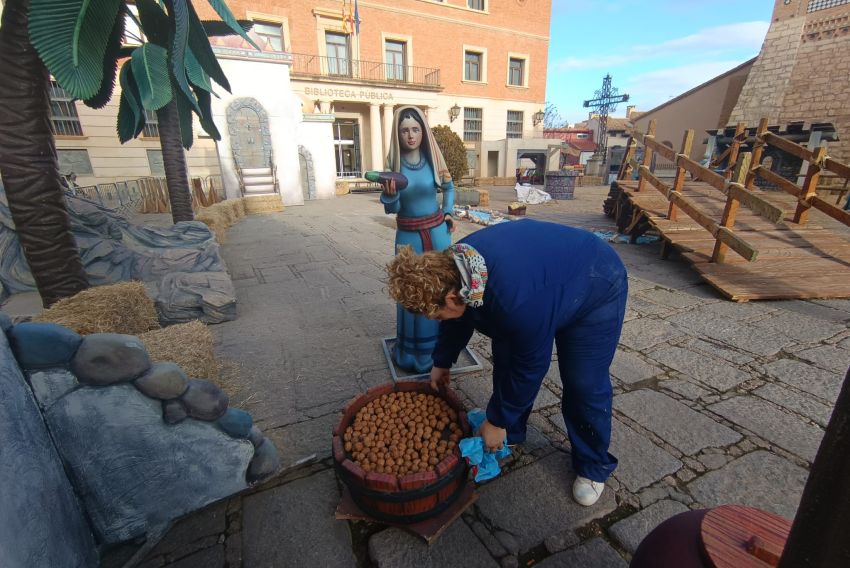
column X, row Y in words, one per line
column 778, row 253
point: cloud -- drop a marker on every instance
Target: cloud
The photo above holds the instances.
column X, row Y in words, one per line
column 744, row 36
column 650, row 89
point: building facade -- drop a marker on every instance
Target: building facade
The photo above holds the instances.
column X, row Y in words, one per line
column 321, row 94
column 801, row 71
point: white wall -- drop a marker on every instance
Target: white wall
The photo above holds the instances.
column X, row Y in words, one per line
column 268, row 83
column 315, row 133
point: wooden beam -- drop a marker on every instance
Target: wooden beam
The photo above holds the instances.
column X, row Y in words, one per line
column 810, row 185
column 654, row 181
column 647, row 150
column 777, row 180
column 836, row 167
column 734, row 148
column 626, row 165
column 742, row 166
column 701, row 173
column 756, row 204
column 835, row 212
column 665, row 151
column 679, row 180
column 788, row 146
column 758, row 150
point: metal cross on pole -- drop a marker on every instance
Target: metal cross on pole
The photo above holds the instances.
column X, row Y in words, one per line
column 605, row 102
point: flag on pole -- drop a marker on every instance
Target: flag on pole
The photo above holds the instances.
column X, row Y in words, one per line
column 356, row 18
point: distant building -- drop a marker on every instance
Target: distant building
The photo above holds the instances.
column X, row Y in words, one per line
column 579, row 141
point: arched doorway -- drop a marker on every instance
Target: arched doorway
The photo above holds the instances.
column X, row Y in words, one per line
column 250, row 139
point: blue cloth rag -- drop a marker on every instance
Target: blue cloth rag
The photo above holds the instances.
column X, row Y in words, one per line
column 485, row 465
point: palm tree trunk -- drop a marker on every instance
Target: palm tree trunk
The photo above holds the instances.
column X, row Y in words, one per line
column 174, row 162
column 29, row 165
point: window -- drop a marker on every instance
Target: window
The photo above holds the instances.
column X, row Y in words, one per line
column 472, row 124
column 64, row 120
column 581, row 135
column 472, row 66
column 337, row 50
column 475, row 4
column 514, row 129
column 516, row 72
column 815, row 5
column 76, row 161
column 155, row 163
column 132, row 34
column 394, row 51
column 151, row 125
column 271, row 34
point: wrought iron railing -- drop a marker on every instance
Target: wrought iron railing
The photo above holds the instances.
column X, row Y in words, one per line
column 321, row 66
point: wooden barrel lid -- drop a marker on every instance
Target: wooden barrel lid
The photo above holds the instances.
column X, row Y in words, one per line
column 734, row 536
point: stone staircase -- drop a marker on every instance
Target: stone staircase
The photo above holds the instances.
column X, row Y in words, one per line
column 258, row 181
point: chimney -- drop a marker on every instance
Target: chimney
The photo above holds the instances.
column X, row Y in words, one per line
column 629, row 110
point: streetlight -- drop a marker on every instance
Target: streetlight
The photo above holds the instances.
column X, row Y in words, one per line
column 454, row 112
column 538, row 117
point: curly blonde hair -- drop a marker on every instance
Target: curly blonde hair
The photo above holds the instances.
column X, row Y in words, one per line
column 420, row 283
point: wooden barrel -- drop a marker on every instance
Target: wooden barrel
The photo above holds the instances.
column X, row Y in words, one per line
column 411, row 498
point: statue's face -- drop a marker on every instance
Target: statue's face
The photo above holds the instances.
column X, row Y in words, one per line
column 409, row 134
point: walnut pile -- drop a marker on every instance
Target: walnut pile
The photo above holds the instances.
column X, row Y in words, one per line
column 403, row 432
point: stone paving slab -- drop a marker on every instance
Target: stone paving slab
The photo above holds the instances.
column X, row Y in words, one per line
column 293, row 525
column 703, row 322
column 759, row 479
column 397, row 548
column 630, row 368
column 515, row 503
column 821, row 383
column 671, row 298
column 778, row 427
column 297, row 441
column 682, row 427
column 722, row 350
column 595, row 553
column 686, row 388
column 643, row 333
column 707, row 369
column 802, row 404
column 799, row 326
column 827, row 357
column 632, row 530
column 641, row 463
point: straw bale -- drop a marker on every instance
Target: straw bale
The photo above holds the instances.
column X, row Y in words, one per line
column 212, row 217
column 124, row 307
column 190, row 345
column 262, row 204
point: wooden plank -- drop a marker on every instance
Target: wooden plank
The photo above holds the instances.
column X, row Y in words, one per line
column 788, row 146
column 755, row 203
column 713, row 179
column 665, row 151
column 836, row 167
column 647, row 151
column 787, row 186
column 734, row 148
column 828, row 208
column 809, row 189
column 742, row 166
column 758, row 150
column 679, row 180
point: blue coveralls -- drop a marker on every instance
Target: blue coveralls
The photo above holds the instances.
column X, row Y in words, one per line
column 417, row 335
column 547, row 283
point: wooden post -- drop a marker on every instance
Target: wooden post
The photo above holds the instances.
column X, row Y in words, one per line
column 816, row 538
column 810, row 185
column 626, row 165
column 758, row 150
column 679, row 180
column 731, row 209
column 740, row 129
column 647, row 151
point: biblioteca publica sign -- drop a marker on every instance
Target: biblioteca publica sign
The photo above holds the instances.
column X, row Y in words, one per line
column 355, row 94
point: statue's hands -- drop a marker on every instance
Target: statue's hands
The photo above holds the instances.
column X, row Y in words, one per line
column 389, row 187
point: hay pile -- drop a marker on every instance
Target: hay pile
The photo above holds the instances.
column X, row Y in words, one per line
column 221, row 216
column 190, row 345
column 114, row 308
column 262, row 204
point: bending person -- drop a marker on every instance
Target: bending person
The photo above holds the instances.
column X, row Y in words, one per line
column 421, row 221
column 528, row 284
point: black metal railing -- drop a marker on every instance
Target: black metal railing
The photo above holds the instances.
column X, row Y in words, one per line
column 317, row 65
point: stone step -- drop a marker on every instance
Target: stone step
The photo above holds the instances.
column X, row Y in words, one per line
column 256, row 172
column 253, row 180
column 259, row 188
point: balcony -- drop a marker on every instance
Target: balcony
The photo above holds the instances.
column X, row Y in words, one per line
column 356, row 70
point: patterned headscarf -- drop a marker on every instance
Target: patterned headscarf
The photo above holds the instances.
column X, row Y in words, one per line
column 473, row 274
column 435, row 156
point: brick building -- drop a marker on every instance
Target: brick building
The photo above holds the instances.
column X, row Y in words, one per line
column 324, row 88
column 801, row 73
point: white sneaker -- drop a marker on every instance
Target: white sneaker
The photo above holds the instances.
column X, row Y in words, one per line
column 586, row 491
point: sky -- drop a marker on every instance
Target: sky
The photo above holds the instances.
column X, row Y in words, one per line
column 654, row 50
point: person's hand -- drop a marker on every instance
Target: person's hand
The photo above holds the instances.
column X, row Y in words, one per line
column 440, row 378
column 389, row 187
column 493, row 436
column 450, row 222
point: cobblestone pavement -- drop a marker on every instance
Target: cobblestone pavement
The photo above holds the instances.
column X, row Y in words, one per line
column 715, row 402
